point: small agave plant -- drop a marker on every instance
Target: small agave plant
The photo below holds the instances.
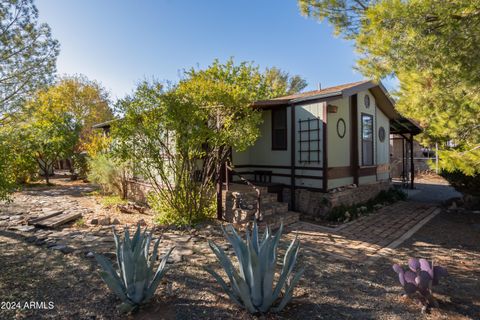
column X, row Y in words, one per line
column 136, row 280
column 421, row 277
column 252, row 285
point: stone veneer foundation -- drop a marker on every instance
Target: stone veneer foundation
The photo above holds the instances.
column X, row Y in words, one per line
column 317, row 204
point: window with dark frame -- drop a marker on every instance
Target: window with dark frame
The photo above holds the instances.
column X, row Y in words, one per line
column 367, row 139
column 279, row 129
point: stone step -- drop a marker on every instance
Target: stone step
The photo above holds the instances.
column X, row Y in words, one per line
column 274, row 221
column 274, row 208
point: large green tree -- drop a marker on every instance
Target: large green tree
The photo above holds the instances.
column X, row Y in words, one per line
column 433, row 48
column 27, row 53
column 50, row 136
column 178, row 138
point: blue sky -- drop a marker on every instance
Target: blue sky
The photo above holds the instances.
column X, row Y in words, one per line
column 120, row 42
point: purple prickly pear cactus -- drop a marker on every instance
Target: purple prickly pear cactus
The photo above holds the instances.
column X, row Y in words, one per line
column 420, row 276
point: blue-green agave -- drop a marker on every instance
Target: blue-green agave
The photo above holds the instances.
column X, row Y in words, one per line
column 252, row 285
column 136, row 280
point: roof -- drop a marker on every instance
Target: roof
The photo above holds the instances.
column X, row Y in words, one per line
column 314, row 94
column 399, row 124
column 103, row 125
column 404, row 125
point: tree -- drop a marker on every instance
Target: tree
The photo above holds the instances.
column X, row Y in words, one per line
column 433, row 48
column 282, row 83
column 87, row 103
column 27, row 53
column 51, row 135
column 178, row 138
column 7, row 179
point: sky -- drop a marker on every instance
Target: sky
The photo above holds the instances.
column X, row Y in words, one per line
column 122, row 42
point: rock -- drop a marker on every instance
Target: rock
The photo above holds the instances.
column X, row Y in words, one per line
column 116, row 221
column 40, row 242
column 4, row 217
column 63, row 248
column 363, row 209
column 89, row 255
column 378, row 206
column 93, row 221
column 31, row 239
column 23, row 228
column 476, row 211
column 110, row 255
column 104, row 221
column 174, row 258
column 51, row 244
column 141, row 222
column 16, row 217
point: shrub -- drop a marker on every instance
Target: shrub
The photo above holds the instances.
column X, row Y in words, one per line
column 251, row 286
column 462, row 182
column 178, row 207
column 346, row 213
column 110, row 174
column 136, row 281
column 420, row 279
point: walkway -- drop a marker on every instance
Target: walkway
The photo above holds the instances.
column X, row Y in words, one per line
column 367, row 237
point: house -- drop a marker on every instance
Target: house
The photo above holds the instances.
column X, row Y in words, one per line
column 319, row 149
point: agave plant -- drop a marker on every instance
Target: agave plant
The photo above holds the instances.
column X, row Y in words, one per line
column 252, row 285
column 136, row 280
column 421, row 277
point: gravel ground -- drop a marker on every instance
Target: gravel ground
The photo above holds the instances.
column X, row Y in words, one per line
column 329, row 290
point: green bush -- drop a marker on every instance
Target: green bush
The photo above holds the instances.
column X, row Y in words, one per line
column 347, row 213
column 110, row 174
column 462, row 182
column 181, row 206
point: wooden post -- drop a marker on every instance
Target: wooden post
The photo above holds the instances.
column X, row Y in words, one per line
column 354, row 157
column 412, row 168
column 292, row 158
column 219, row 198
column 325, row 149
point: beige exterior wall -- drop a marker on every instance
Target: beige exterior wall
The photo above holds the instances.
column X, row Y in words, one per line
column 261, row 154
column 305, row 112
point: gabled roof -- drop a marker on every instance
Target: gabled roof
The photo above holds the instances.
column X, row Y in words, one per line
column 382, row 97
column 330, row 92
column 335, row 90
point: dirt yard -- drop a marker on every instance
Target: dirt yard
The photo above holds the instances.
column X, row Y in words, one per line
column 330, row 289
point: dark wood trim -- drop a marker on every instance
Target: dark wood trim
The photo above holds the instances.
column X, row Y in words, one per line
column 354, row 137
column 261, row 166
column 325, row 148
column 277, row 167
column 412, row 167
column 310, row 188
column 312, row 101
column 292, row 158
column 340, row 172
column 286, row 175
column 284, row 147
column 367, row 171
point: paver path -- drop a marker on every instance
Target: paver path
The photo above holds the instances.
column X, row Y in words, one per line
column 366, row 237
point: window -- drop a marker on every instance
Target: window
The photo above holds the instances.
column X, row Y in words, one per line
column 279, row 129
column 367, row 139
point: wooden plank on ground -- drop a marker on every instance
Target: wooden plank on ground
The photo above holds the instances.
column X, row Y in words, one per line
column 45, row 216
column 58, row 220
